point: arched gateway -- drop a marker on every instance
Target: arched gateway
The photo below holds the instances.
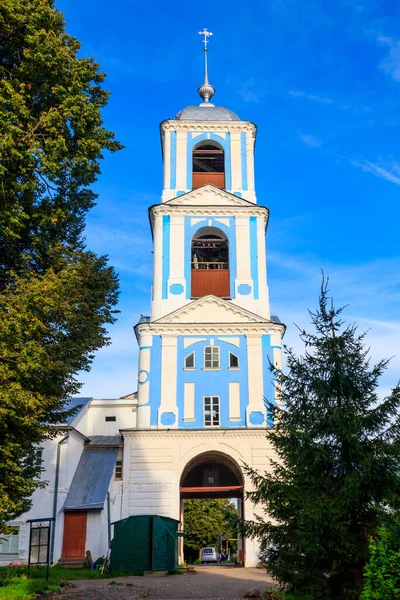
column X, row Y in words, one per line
column 206, row 348
column 212, row 474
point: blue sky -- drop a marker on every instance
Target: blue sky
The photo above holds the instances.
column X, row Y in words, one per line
column 322, row 82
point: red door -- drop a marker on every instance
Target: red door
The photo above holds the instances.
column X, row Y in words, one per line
column 74, row 541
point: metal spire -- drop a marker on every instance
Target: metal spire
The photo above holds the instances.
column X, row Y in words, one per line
column 206, row 91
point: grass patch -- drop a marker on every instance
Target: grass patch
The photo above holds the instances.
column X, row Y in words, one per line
column 16, row 584
column 18, row 588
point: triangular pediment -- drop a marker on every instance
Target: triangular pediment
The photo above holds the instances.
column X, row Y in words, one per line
column 211, row 309
column 209, row 195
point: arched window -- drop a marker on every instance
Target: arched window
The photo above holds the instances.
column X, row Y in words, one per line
column 208, row 165
column 210, row 263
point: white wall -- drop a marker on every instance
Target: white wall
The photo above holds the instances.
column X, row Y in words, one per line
column 158, row 458
column 89, row 422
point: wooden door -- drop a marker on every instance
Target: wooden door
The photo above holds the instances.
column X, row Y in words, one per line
column 210, row 281
column 74, row 541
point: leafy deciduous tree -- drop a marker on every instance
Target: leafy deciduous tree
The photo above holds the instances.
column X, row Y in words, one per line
column 205, row 520
column 56, row 297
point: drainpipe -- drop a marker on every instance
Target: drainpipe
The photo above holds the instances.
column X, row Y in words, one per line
column 55, row 499
column 108, row 519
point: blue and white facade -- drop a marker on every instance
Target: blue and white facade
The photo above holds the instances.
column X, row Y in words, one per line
column 171, row 394
column 206, row 349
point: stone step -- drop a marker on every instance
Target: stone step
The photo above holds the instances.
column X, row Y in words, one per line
column 72, row 562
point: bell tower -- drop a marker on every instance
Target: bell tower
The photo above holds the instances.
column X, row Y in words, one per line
column 206, row 349
column 210, row 333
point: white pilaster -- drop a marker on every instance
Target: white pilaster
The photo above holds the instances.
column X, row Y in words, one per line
column 157, row 268
column 181, row 146
column 264, row 309
column 250, row 160
column 167, row 160
column 236, row 163
column 143, row 410
column 177, row 266
column 168, row 379
column 255, row 378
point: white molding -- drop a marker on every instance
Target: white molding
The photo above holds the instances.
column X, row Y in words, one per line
column 205, row 126
column 197, row 434
column 184, row 329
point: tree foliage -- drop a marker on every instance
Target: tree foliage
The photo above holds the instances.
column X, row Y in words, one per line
column 56, row 297
column 205, row 520
column 382, row 573
column 337, row 463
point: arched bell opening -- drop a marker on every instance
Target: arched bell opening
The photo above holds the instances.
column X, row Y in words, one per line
column 208, row 164
column 210, row 263
column 214, row 475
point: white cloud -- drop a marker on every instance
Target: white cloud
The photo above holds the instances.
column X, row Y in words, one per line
column 248, row 94
column 389, row 170
column 310, row 140
column 370, row 291
column 391, row 64
column 312, row 97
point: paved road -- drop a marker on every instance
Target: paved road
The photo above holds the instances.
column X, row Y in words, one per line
column 208, row 583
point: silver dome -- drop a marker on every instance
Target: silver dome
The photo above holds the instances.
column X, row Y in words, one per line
column 207, row 113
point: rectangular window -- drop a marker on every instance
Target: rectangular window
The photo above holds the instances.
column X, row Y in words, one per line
column 118, row 469
column 211, row 357
column 189, row 361
column 39, row 544
column 233, row 361
column 9, row 542
column 211, row 411
column 109, row 419
column 38, row 456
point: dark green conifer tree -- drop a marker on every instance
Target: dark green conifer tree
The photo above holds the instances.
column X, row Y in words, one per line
column 336, row 469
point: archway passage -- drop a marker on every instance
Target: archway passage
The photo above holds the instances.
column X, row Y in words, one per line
column 214, row 475
column 210, row 263
column 208, row 165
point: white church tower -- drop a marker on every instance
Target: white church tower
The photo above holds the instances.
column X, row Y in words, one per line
column 205, row 350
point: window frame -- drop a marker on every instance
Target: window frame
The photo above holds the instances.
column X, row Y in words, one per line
column 38, row 452
column 237, row 358
column 211, row 403
column 194, row 362
column 118, row 467
column 211, row 359
column 6, row 538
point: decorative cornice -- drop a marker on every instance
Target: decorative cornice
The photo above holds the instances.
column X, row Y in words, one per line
column 184, row 434
column 207, row 329
column 218, row 210
column 223, row 126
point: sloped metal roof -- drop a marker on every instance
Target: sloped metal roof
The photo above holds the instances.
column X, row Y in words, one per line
column 91, row 480
column 207, row 113
column 106, row 440
column 76, row 403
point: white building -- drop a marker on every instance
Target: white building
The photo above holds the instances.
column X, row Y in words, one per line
column 204, row 353
column 83, row 469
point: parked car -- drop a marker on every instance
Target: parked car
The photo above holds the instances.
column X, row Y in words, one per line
column 210, row 554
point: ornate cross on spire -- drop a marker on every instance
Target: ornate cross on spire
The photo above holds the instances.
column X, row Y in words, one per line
column 206, row 91
column 206, row 34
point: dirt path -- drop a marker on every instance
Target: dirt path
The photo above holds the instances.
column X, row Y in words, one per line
column 209, row 583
